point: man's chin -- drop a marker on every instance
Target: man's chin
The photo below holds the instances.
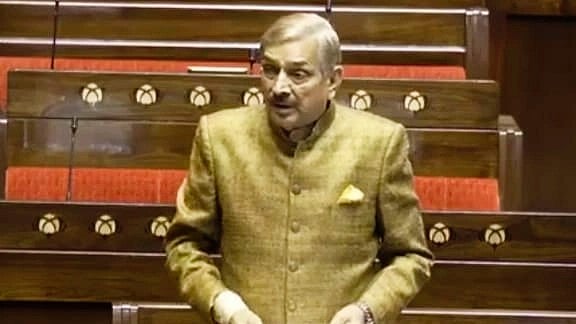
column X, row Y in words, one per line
column 286, row 121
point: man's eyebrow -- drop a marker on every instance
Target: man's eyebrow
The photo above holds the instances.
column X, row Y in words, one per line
column 268, row 59
column 299, row 63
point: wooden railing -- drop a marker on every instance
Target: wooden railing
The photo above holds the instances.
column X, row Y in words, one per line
column 147, row 120
column 451, row 33
column 487, row 263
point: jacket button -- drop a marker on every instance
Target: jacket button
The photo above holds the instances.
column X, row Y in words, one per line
column 293, row 266
column 291, row 305
column 295, row 227
column 296, row 189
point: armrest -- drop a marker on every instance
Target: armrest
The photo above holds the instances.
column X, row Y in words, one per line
column 510, row 163
column 3, row 153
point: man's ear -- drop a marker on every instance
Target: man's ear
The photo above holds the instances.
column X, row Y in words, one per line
column 334, row 81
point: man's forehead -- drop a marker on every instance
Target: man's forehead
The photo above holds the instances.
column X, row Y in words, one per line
column 297, row 61
column 298, row 52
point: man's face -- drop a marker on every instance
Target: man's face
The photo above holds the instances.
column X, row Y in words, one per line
column 295, row 89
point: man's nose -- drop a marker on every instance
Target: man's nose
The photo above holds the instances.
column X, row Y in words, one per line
column 281, row 85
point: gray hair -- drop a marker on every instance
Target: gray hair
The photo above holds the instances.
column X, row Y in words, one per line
column 301, row 25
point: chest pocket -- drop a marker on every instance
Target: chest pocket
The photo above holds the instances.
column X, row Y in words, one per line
column 353, row 219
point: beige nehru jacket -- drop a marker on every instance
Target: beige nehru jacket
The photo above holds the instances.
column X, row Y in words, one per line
column 303, row 229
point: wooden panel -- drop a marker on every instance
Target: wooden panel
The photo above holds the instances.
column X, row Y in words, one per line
column 117, row 144
column 447, row 103
column 160, row 145
column 499, row 285
column 412, row 3
column 26, row 29
column 109, row 144
column 168, row 314
column 20, row 227
column 174, row 22
column 529, row 237
column 479, row 316
column 181, row 313
column 409, row 27
column 106, row 277
column 534, row 7
column 543, row 109
column 188, row 21
column 477, row 44
column 3, row 155
column 55, row 312
column 145, row 32
column 85, row 276
column 454, row 152
column 408, row 55
column 234, row 52
column 18, row 19
column 171, row 31
column 230, row 2
column 394, row 3
column 248, row 52
column 42, row 142
column 57, row 94
column 510, row 163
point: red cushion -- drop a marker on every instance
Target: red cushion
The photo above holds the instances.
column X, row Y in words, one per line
column 135, row 65
column 441, row 193
column 115, row 185
column 472, row 194
column 35, row 183
column 160, row 186
column 405, row 72
column 169, row 182
column 431, row 192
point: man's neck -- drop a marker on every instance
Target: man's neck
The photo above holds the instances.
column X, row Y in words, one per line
column 299, row 134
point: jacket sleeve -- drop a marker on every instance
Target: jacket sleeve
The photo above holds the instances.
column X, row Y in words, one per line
column 404, row 255
column 195, row 230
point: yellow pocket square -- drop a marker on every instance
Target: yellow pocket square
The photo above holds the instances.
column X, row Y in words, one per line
column 351, row 195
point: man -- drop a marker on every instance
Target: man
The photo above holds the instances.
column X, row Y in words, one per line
column 310, row 203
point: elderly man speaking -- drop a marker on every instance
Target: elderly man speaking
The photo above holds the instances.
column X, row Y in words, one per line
column 310, row 204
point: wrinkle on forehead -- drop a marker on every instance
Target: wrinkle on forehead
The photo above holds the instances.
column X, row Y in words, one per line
column 296, row 62
column 294, row 53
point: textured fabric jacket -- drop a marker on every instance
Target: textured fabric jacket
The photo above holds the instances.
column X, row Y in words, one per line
column 303, row 229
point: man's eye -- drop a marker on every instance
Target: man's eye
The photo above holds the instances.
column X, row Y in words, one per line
column 269, row 70
column 299, row 75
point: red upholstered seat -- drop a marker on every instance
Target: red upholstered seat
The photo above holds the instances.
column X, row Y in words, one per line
column 169, row 182
column 405, row 72
column 135, row 65
column 160, row 186
column 432, row 192
column 115, row 185
column 471, row 194
column 36, row 183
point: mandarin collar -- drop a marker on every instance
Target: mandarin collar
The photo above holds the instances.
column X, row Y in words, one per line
column 289, row 146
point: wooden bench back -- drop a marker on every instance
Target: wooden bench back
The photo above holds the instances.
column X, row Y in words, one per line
column 454, row 134
column 77, row 262
column 446, row 34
